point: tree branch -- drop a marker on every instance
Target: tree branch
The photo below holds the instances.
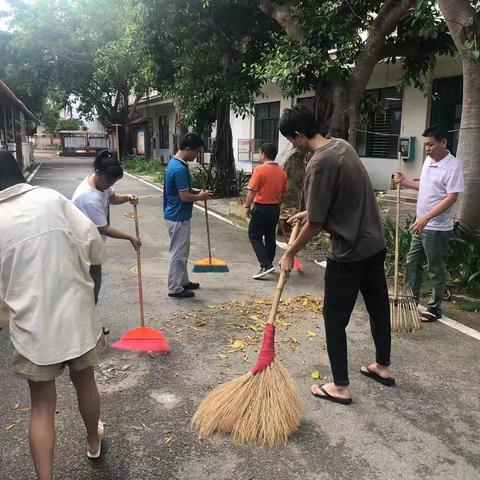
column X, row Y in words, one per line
column 282, row 14
column 389, row 15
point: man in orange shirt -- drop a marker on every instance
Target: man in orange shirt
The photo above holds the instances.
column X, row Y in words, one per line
column 265, row 190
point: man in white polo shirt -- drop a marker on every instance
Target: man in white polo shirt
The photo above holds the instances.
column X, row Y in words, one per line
column 440, row 183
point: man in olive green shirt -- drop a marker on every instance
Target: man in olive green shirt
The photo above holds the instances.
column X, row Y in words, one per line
column 339, row 199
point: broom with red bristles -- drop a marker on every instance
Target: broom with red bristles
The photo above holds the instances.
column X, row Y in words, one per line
column 261, row 406
column 142, row 338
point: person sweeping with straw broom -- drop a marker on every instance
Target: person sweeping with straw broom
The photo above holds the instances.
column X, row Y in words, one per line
column 261, row 406
column 339, row 199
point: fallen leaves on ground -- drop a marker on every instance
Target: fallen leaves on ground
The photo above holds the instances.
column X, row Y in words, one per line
column 131, row 215
column 315, row 374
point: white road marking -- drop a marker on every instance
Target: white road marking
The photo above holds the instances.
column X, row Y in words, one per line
column 210, row 213
column 30, row 177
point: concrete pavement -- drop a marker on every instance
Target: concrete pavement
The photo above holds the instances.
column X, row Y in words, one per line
column 425, row 428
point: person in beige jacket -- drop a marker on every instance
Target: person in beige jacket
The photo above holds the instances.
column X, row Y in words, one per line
column 46, row 248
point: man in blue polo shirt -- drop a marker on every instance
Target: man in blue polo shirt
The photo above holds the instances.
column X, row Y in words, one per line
column 178, row 200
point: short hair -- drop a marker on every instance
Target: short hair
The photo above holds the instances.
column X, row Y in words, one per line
column 270, row 150
column 298, row 119
column 438, row 132
column 105, row 163
column 192, row 141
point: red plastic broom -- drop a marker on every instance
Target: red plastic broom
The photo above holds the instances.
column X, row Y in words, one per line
column 142, row 338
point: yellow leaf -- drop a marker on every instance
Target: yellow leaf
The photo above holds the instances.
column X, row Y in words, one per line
column 237, row 345
column 222, row 356
column 311, row 334
column 315, row 374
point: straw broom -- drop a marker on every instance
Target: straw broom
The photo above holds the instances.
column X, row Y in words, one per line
column 404, row 315
column 262, row 406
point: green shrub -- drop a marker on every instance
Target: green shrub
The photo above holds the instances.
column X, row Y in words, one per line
column 464, row 255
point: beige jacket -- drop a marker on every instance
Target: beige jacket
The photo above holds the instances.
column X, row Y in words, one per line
column 46, row 248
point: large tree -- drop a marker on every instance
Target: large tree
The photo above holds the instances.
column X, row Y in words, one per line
column 463, row 20
column 72, row 47
column 203, row 51
column 333, row 48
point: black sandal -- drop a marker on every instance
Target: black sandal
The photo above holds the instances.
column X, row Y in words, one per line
column 428, row 317
column 388, row 382
column 330, row 398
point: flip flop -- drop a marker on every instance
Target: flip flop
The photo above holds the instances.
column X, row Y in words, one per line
column 428, row 317
column 330, row 398
column 101, row 434
column 388, row 382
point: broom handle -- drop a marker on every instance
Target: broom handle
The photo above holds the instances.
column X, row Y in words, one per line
column 282, row 280
column 139, row 270
column 397, row 229
column 208, row 233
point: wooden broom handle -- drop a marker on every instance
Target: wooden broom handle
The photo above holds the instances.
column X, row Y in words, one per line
column 282, row 280
column 139, row 270
column 397, row 229
column 208, row 232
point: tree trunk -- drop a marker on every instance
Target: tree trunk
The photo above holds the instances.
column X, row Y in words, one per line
column 222, row 149
column 464, row 24
column 468, row 151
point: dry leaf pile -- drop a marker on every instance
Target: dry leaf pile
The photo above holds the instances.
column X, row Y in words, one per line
column 251, row 316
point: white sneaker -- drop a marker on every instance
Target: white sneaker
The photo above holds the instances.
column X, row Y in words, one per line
column 263, row 271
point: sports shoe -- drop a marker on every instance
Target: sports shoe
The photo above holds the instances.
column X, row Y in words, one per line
column 182, row 294
column 263, row 271
column 191, row 286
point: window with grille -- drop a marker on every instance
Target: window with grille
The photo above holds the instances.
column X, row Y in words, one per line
column 267, row 116
column 381, row 119
column 447, row 107
column 163, row 135
column 306, row 102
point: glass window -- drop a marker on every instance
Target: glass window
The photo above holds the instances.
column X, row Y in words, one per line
column 163, row 136
column 381, row 121
column 447, row 107
column 306, row 102
column 267, row 116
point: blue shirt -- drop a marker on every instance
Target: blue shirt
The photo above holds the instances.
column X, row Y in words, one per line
column 177, row 179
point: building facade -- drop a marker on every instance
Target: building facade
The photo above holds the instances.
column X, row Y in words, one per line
column 392, row 115
column 14, row 117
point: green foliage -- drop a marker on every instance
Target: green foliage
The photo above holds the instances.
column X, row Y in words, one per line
column 69, row 124
column 142, row 165
column 464, row 255
column 468, row 306
column 62, row 48
column 405, row 238
column 204, row 177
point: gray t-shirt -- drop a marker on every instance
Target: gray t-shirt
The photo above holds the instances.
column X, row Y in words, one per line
column 339, row 195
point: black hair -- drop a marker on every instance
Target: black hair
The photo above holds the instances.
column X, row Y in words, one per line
column 107, row 164
column 270, row 150
column 438, row 132
column 10, row 173
column 297, row 120
column 192, row 141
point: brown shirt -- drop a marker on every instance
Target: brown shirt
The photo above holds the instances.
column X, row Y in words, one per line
column 339, row 195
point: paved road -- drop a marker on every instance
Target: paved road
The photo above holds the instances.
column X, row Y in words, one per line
column 425, row 428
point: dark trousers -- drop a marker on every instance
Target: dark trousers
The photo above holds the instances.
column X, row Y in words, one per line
column 343, row 281
column 96, row 274
column 262, row 232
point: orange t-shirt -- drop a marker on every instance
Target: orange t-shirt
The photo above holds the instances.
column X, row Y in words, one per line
column 269, row 181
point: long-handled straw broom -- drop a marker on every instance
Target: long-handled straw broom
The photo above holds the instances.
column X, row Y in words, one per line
column 210, row 264
column 261, row 406
column 142, row 338
column 404, row 315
